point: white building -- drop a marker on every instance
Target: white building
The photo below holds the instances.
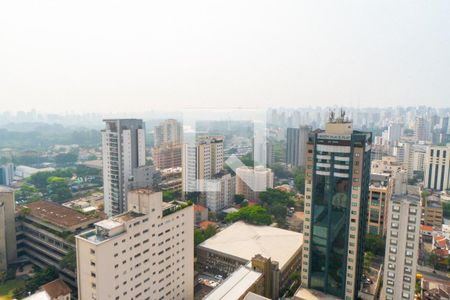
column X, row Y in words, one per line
column 221, row 191
column 145, row 253
column 437, row 168
column 388, row 165
column 251, row 181
column 402, row 248
column 394, row 133
column 123, row 150
column 6, row 174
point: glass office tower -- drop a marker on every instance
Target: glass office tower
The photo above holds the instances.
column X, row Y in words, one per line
column 336, row 192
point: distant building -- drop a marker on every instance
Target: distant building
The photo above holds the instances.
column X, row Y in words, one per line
column 167, row 156
column 437, row 168
column 389, row 165
column 220, row 194
column 380, row 193
column 433, row 211
column 434, row 290
column 251, row 181
column 296, row 140
column 200, row 213
column 26, row 171
column 336, row 197
column 8, row 251
column 6, row 174
column 201, row 162
column 54, row 290
column 123, row 150
column 168, row 132
column 171, row 180
column 422, row 129
column 237, row 244
column 394, row 133
column 402, row 248
column 45, row 234
column 146, row 252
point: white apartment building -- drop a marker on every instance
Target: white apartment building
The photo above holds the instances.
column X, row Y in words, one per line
column 402, row 248
column 221, row 193
column 389, row 165
column 394, row 133
column 123, row 150
column 251, row 181
column 145, row 253
column 201, row 162
column 437, row 168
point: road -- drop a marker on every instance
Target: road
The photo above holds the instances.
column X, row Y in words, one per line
column 427, row 272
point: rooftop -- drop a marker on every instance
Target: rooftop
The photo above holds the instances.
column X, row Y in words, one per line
column 244, row 241
column 309, row 294
column 56, row 288
column 57, row 214
column 236, row 285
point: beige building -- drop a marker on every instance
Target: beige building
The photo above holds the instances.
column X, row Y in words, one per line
column 380, row 193
column 221, row 191
column 167, row 156
column 437, row 168
column 54, row 290
column 168, row 132
column 390, row 165
column 251, row 181
column 433, row 211
column 7, row 228
column 402, row 248
column 145, row 253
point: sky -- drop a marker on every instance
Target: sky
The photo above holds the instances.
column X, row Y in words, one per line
column 130, row 56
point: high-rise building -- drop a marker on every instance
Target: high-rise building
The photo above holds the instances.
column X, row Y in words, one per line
column 167, row 156
column 168, row 132
column 251, row 181
column 336, row 196
column 421, row 129
column 380, row 193
column 394, row 133
column 6, row 174
column 296, row 145
column 8, row 251
column 437, row 168
column 123, row 148
column 147, row 252
column 402, row 248
column 201, row 162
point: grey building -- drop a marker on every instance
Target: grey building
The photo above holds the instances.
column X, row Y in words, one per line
column 296, row 140
column 7, row 228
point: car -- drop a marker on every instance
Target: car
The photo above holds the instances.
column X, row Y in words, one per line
column 218, row 277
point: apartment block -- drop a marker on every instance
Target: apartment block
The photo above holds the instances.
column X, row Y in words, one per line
column 168, row 132
column 7, row 228
column 145, row 253
column 167, row 156
column 402, row 248
column 123, row 150
column 296, row 139
column 380, row 193
column 433, row 213
column 251, row 181
column 221, row 191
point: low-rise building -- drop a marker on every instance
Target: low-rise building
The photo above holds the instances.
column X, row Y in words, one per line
column 46, row 235
column 251, row 181
column 200, row 213
column 434, row 290
column 54, row 290
column 221, row 191
column 171, row 179
column 237, row 244
column 145, row 253
column 433, row 211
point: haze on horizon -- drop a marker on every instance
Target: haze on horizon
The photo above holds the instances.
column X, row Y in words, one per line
column 117, row 56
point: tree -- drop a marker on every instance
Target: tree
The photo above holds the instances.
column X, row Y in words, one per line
column 252, row 214
column 375, row 244
column 446, row 209
column 58, row 189
column 2, row 277
column 198, row 237
column 27, row 193
column 170, row 195
column 210, row 231
column 247, row 160
column 69, row 261
column 281, row 171
column 66, row 159
column 433, row 260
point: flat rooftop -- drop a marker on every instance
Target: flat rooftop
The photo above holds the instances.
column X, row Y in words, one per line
column 235, row 285
column 57, row 214
column 244, row 241
column 309, row 294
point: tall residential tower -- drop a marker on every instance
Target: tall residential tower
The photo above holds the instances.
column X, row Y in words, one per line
column 123, row 148
column 336, row 189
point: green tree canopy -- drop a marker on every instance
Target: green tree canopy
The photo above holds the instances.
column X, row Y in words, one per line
column 252, row 214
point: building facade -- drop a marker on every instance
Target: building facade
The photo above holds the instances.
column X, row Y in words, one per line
column 402, row 248
column 251, row 181
column 8, row 250
column 167, row 156
column 296, row 140
column 6, row 174
column 145, row 253
column 168, row 132
column 380, row 193
column 123, row 150
column 437, row 168
column 221, row 193
column 336, row 193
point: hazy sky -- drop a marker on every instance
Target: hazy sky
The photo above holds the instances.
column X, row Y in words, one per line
column 112, row 56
